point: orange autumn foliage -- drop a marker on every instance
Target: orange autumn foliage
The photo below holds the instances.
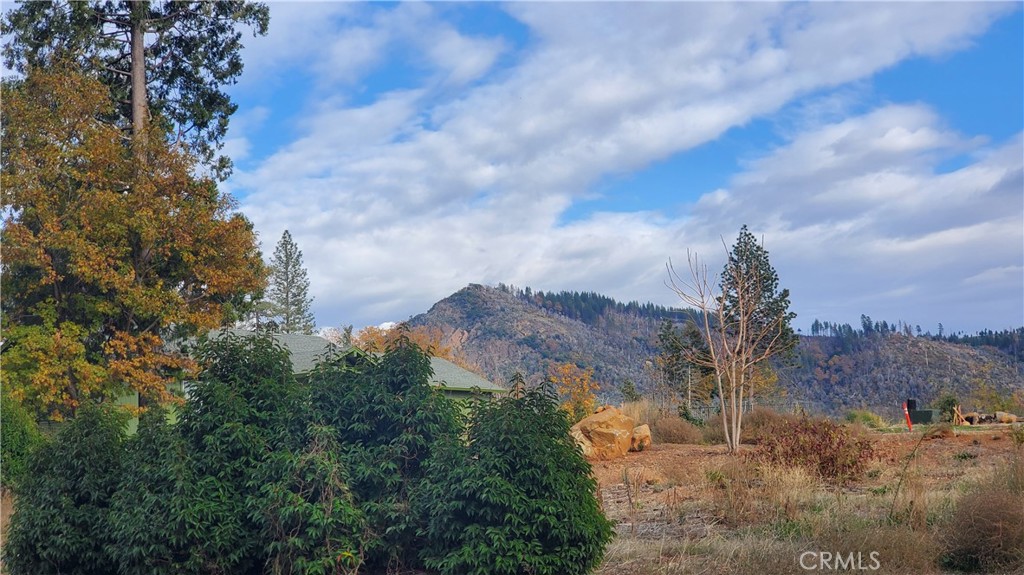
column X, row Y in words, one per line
column 375, row 339
column 104, row 258
column 577, row 387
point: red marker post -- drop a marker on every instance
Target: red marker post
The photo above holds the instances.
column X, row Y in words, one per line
column 906, row 413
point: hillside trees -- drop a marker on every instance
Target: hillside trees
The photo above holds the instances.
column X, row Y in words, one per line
column 288, row 292
column 103, row 261
column 161, row 60
column 689, row 378
column 745, row 320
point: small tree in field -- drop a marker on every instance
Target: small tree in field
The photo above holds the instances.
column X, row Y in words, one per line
column 745, row 320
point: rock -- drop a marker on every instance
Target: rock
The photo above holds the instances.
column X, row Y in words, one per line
column 972, row 418
column 582, row 440
column 1004, row 417
column 641, row 438
column 604, row 435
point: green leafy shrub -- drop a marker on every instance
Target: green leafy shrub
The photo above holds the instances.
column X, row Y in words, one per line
column 946, row 404
column 62, row 524
column 144, row 515
column 685, row 415
column 245, row 406
column 865, row 417
column 518, row 498
column 19, row 436
column 823, row 447
column 308, row 516
column 389, row 421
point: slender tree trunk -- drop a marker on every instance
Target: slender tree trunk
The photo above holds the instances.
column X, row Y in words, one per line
column 689, row 390
column 140, row 102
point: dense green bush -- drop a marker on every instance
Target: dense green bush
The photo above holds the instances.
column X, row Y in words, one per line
column 823, row 447
column 518, row 498
column 366, row 469
column 62, row 524
column 19, row 436
column 946, row 403
column 308, row 517
column 245, row 406
column 389, row 420
column 148, row 537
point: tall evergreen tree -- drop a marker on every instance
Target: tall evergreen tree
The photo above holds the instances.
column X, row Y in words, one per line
column 289, row 288
column 749, row 280
column 105, row 262
column 163, row 61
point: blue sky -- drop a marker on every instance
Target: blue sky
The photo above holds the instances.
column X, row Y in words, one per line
column 412, row 149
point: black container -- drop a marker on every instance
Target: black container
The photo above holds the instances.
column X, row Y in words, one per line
column 911, row 404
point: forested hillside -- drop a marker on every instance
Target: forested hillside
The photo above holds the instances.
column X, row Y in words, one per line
column 880, row 368
column 506, row 329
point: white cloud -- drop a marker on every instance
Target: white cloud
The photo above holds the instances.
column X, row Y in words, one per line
column 404, row 200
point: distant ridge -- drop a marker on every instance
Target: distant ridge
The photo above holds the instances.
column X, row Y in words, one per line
column 505, row 329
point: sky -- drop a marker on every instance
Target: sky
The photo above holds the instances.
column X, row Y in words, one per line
column 411, row 149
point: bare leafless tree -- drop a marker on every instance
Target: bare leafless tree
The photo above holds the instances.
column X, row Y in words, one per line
column 737, row 333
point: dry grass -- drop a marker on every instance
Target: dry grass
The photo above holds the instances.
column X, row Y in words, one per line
column 866, row 418
column 713, row 432
column 643, row 412
column 762, row 421
column 898, row 550
column 911, row 503
column 675, row 430
column 791, row 491
column 985, row 532
column 945, row 514
column 669, row 556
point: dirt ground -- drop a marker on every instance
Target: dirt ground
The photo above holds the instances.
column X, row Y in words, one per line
column 665, row 490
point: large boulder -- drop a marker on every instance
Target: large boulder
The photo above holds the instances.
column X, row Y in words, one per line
column 1004, row 417
column 604, row 435
column 641, row 438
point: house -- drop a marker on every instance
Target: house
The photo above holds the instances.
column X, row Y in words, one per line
column 307, row 350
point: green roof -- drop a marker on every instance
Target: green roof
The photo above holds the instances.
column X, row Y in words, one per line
column 307, row 350
column 451, row 376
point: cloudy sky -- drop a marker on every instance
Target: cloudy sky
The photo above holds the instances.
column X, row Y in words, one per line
column 411, row 149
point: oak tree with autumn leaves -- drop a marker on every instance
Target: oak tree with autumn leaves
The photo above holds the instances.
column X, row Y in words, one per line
column 106, row 257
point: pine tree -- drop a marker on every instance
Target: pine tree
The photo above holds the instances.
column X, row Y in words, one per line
column 289, row 288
